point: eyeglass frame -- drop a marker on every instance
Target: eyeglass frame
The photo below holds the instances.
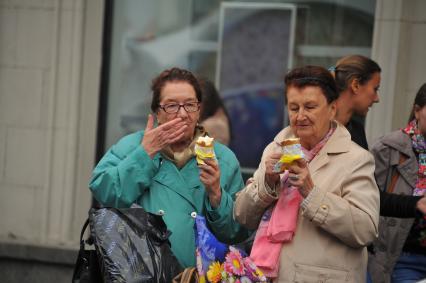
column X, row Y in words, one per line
column 181, row 105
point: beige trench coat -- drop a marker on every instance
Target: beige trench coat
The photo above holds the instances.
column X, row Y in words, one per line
column 338, row 222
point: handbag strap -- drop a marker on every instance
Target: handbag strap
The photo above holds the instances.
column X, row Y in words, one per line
column 396, row 174
column 189, row 275
column 80, row 258
column 86, row 223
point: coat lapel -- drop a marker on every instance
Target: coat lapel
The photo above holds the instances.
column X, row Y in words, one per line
column 402, row 144
column 319, row 161
column 172, row 179
column 406, row 170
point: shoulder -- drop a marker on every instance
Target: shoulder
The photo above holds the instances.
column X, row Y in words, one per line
column 127, row 143
column 396, row 140
column 359, row 153
column 342, row 146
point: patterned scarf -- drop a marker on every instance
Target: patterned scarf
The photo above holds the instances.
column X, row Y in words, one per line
column 419, row 146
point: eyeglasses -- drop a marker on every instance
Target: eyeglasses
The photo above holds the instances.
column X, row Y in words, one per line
column 173, row 108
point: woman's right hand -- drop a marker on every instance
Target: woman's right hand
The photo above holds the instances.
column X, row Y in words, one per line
column 271, row 177
column 155, row 139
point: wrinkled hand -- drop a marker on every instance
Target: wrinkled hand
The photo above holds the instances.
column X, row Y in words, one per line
column 210, row 177
column 421, row 205
column 300, row 177
column 155, row 139
column 271, row 177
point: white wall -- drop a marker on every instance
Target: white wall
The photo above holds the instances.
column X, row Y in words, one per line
column 399, row 46
column 49, row 77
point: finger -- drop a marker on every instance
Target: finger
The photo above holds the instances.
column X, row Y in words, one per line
column 150, row 123
column 205, row 180
column 211, row 162
column 180, row 128
column 204, row 175
column 173, row 136
column 170, row 133
column 301, row 163
column 295, row 183
column 170, row 125
column 207, row 169
column 176, row 138
column 275, row 156
column 294, row 177
column 270, row 169
column 295, row 168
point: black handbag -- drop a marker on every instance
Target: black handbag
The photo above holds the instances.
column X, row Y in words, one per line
column 132, row 245
column 86, row 269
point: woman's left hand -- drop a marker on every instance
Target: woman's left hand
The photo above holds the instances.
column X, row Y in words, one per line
column 300, row 177
column 210, row 177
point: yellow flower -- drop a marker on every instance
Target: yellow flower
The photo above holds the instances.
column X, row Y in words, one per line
column 214, row 274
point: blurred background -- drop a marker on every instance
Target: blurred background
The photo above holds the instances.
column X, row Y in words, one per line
column 75, row 77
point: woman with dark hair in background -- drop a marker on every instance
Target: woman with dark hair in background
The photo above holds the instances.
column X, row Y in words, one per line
column 401, row 168
column 213, row 115
column 358, row 81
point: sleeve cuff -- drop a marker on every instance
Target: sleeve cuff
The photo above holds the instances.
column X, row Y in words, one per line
column 314, row 206
column 306, row 201
column 215, row 214
column 266, row 194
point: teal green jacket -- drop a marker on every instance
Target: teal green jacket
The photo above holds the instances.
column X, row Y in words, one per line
column 127, row 175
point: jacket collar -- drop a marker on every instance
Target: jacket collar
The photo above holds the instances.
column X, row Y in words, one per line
column 399, row 141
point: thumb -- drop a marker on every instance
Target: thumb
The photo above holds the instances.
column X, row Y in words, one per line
column 150, row 123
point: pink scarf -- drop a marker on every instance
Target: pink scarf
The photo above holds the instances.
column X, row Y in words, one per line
column 278, row 224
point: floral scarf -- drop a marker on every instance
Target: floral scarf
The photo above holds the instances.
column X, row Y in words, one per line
column 419, row 147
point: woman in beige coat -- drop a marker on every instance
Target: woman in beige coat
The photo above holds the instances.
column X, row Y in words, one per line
column 337, row 199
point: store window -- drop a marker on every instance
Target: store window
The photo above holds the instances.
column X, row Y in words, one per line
column 245, row 47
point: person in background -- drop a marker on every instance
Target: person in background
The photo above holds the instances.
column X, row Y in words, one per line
column 213, row 115
column 157, row 169
column 316, row 219
column 401, row 168
column 358, row 82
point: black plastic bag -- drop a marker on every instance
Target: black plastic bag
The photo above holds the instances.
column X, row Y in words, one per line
column 132, row 245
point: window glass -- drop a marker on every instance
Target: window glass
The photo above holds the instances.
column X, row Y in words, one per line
column 245, row 47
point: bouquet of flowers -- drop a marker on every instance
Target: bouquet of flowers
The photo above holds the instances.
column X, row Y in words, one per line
column 220, row 263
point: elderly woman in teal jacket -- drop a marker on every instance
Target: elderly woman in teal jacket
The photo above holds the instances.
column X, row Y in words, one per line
column 157, row 169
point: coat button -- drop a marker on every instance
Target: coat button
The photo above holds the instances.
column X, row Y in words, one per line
column 161, row 212
column 193, row 214
column 324, row 207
